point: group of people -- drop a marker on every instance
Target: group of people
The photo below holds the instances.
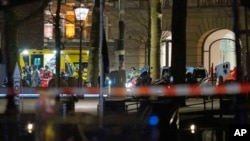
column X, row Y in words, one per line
column 34, row 77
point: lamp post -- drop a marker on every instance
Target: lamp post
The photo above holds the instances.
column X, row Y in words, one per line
column 81, row 14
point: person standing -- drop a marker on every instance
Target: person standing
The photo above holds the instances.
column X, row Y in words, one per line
column 46, row 76
column 28, row 76
column 35, row 77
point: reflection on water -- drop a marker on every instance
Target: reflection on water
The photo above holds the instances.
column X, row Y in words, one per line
column 55, row 119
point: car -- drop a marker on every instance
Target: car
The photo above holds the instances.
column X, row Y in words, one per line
column 165, row 71
column 200, row 73
column 197, row 73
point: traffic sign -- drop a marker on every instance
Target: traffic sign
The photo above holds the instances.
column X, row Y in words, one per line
column 16, row 80
column 17, row 73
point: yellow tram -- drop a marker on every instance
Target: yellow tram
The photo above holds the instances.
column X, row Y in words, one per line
column 69, row 60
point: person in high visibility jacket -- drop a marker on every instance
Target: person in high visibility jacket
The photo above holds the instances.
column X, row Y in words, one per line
column 76, row 74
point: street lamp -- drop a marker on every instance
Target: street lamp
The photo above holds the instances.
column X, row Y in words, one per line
column 81, row 14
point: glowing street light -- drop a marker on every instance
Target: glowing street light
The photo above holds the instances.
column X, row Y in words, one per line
column 81, row 14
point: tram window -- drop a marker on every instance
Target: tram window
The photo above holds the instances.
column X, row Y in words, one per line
column 37, row 60
column 26, row 60
column 84, row 65
column 69, row 68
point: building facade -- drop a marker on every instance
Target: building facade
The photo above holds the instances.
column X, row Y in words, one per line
column 209, row 29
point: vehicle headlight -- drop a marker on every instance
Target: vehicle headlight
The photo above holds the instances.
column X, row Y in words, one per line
column 128, row 85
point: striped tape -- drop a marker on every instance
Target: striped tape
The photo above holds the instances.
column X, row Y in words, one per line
column 169, row 91
column 192, row 90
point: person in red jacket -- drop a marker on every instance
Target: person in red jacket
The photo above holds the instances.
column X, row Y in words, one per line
column 46, row 76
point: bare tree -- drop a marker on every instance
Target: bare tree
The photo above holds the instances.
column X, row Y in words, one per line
column 93, row 63
column 156, row 15
column 12, row 21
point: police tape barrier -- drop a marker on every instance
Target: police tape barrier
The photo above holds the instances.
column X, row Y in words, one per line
column 191, row 90
column 168, row 91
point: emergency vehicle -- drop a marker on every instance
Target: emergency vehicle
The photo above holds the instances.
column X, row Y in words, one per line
column 224, row 72
column 69, row 60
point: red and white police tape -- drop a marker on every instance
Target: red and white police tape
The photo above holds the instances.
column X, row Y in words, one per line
column 169, row 91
